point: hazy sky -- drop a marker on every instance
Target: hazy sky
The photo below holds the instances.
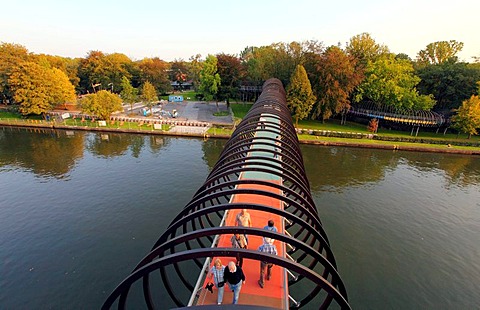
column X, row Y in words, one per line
column 180, row 29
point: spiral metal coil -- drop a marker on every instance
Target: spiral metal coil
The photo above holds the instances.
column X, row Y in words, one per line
column 419, row 118
column 191, row 237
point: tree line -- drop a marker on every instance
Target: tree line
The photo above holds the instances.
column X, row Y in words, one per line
column 361, row 72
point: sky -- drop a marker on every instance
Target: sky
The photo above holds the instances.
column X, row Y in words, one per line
column 180, row 29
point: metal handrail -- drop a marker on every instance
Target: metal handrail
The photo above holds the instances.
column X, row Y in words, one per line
column 191, row 238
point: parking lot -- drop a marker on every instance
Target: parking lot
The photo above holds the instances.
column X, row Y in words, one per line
column 187, row 111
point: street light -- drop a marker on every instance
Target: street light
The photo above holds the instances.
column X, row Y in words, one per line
column 95, row 85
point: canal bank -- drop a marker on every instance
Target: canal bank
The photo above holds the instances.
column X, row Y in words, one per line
column 197, row 132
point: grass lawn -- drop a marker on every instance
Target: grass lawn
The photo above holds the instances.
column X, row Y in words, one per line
column 115, row 124
column 221, row 113
column 306, row 137
column 332, row 125
column 9, row 115
column 213, row 131
column 14, row 115
column 240, row 109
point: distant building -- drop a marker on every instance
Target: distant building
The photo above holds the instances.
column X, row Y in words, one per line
column 182, row 86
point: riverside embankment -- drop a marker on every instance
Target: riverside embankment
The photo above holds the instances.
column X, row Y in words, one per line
column 201, row 132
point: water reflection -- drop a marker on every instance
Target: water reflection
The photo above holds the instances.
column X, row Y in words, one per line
column 45, row 152
column 459, row 170
column 212, row 148
column 54, row 153
column 113, row 145
column 108, row 145
column 331, row 168
column 334, row 168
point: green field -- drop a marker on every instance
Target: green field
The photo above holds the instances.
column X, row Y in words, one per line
column 240, row 109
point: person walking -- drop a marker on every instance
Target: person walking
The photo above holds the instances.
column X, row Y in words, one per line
column 217, row 272
column 270, row 248
column 239, row 241
column 235, row 278
column 243, row 219
column 271, row 226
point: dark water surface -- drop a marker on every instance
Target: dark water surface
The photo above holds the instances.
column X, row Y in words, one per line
column 79, row 210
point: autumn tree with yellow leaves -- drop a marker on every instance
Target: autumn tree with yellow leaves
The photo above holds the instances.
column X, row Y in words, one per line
column 38, row 89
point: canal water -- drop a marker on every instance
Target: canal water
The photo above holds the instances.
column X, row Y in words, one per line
column 79, row 210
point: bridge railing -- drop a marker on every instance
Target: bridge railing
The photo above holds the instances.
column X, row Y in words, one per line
column 189, row 240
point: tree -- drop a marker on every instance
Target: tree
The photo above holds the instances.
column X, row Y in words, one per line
column 92, row 72
column 210, row 79
column 231, row 73
column 101, row 104
column 178, row 72
column 450, row 83
column 103, row 71
column 467, row 118
column 439, row 52
column 128, row 93
column 334, row 77
column 391, row 82
column 194, row 68
column 68, row 65
column 116, row 66
column 10, row 56
column 373, row 125
column 364, row 48
column 38, row 89
column 149, row 95
column 155, row 71
column 300, row 98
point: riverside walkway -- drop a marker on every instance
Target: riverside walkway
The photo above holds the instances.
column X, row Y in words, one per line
column 261, row 170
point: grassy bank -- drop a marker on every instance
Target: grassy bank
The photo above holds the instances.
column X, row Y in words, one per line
column 439, row 142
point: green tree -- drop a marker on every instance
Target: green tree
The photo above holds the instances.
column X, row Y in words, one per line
column 467, row 119
column 450, row 83
column 101, row 104
column 92, row 72
column 10, row 56
column 364, row 49
column 334, row 78
column 149, row 95
column 116, row 66
column 194, row 68
column 391, row 82
column 210, row 79
column 300, row 98
column 39, row 89
column 439, row 52
column 103, row 71
column 128, row 93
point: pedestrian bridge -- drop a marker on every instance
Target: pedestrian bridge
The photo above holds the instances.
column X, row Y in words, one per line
column 260, row 169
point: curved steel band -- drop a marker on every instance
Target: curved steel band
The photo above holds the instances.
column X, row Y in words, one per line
column 191, row 235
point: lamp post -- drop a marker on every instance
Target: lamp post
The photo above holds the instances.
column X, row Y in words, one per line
column 95, row 85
